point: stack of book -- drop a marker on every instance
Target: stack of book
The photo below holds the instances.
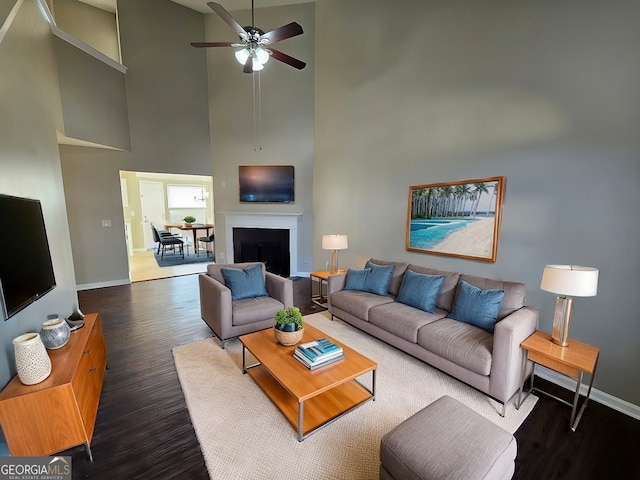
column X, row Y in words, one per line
column 318, row 353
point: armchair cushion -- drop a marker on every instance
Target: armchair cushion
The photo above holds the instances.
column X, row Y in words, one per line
column 245, row 282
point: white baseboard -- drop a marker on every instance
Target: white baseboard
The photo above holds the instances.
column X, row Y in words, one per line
column 114, row 283
column 596, row 395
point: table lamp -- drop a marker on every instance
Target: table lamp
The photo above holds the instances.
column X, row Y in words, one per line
column 334, row 243
column 566, row 280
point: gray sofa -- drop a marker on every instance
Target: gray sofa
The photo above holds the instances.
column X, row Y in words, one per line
column 489, row 362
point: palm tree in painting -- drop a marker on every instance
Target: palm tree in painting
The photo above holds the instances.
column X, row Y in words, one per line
column 493, row 197
column 479, row 189
column 420, row 203
column 465, row 192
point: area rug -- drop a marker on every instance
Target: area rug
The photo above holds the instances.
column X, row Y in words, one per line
column 244, row 436
column 172, row 259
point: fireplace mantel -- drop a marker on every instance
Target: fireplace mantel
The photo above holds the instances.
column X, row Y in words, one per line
column 286, row 221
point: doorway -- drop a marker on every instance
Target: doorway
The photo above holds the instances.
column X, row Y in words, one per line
column 148, row 198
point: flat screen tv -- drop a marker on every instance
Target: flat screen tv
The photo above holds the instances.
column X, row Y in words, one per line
column 266, row 183
column 26, row 271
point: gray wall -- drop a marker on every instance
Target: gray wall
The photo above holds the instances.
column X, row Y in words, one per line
column 166, row 88
column 29, row 162
column 94, row 100
column 94, row 26
column 545, row 93
column 287, row 118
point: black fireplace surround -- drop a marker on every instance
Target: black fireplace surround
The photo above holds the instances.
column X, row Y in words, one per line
column 268, row 245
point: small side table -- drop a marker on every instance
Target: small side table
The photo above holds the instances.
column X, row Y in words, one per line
column 320, row 279
column 573, row 361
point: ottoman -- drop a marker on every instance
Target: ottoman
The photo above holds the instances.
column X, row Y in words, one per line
column 447, row 440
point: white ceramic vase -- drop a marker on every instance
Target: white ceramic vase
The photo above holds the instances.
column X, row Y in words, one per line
column 32, row 360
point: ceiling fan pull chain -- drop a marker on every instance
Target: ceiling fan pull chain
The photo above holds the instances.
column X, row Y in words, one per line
column 255, row 136
column 259, row 112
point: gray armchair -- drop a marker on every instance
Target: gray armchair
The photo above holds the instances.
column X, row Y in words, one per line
column 229, row 318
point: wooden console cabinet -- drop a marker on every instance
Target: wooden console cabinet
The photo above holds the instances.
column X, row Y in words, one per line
column 60, row 412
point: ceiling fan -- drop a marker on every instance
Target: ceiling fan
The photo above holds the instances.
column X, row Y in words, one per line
column 255, row 44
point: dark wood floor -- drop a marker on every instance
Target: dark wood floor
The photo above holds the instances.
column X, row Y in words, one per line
column 143, row 430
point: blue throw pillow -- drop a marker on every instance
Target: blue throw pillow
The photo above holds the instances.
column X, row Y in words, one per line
column 378, row 279
column 245, row 282
column 355, row 279
column 420, row 290
column 477, row 307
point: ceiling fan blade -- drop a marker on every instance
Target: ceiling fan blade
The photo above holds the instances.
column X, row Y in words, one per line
column 212, row 44
column 226, row 16
column 289, row 60
column 248, row 65
column 287, row 31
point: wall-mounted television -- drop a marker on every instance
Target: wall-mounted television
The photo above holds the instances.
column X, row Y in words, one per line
column 266, row 183
column 26, row 271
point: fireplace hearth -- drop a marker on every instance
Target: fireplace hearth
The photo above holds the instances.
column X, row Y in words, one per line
column 268, row 245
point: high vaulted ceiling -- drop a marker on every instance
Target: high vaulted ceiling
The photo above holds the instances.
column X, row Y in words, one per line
column 201, row 5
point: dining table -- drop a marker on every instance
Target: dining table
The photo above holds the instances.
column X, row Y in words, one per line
column 193, row 227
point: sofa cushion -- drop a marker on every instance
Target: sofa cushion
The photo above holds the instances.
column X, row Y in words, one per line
column 420, row 290
column 476, row 306
column 402, row 320
column 514, row 297
column 245, row 282
column 372, row 278
column 355, row 279
column 448, row 290
column 461, row 343
column 396, row 278
column 358, row 303
column 254, row 309
column 378, row 278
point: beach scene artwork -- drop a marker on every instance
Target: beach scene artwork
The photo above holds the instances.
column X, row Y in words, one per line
column 460, row 219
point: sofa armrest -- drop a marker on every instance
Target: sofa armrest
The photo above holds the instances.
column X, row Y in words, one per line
column 279, row 288
column 215, row 305
column 507, row 357
column 335, row 283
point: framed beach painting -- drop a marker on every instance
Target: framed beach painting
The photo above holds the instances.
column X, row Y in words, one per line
column 460, row 219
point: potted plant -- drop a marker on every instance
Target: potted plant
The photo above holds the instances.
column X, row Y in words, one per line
column 188, row 220
column 289, row 327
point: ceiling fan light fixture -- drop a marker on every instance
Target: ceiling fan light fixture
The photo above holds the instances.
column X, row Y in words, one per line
column 242, row 55
column 262, row 54
column 257, row 66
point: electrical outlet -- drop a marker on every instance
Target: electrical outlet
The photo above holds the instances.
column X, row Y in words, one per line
column 106, row 223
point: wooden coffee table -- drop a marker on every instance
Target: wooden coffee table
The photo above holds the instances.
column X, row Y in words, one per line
column 309, row 399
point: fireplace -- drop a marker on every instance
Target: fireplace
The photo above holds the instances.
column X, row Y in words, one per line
column 268, row 245
column 284, row 221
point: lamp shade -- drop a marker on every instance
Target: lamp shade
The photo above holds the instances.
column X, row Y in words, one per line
column 571, row 280
column 334, row 242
